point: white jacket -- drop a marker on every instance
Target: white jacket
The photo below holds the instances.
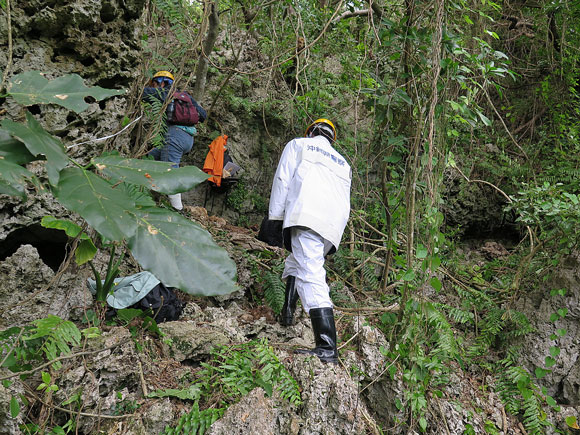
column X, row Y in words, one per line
column 311, row 188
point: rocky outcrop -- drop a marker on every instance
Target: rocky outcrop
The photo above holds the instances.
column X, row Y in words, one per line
column 475, row 210
column 118, row 371
column 30, row 290
column 113, row 376
column 554, row 312
column 97, row 40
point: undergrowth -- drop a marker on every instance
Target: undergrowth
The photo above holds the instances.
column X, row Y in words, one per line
column 233, row 371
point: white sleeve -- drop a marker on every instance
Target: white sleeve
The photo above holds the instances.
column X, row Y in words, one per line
column 282, row 179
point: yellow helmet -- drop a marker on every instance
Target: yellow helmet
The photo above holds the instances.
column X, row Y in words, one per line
column 164, row 74
column 322, row 121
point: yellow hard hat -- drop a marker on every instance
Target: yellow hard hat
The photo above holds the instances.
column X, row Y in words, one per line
column 164, row 74
column 322, row 121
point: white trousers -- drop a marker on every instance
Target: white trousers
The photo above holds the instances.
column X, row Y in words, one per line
column 306, row 263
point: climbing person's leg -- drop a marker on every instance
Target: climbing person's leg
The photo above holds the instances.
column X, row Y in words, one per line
column 177, row 143
column 308, row 250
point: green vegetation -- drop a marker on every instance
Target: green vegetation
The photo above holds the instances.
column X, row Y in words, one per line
column 439, row 105
column 119, row 215
column 232, row 373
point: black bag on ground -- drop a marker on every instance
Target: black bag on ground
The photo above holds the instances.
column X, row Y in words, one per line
column 271, row 232
column 163, row 303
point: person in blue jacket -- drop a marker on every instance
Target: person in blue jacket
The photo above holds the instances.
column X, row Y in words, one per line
column 179, row 138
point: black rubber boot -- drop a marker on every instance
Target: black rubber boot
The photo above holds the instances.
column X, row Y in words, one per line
column 287, row 314
column 324, row 335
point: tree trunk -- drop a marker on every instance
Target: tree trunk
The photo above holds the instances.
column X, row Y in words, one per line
column 207, row 47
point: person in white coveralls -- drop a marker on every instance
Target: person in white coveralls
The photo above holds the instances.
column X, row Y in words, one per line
column 311, row 199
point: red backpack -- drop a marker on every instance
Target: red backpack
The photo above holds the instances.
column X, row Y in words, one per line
column 181, row 110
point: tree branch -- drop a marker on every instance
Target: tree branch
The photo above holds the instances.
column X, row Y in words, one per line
column 349, row 14
column 207, row 47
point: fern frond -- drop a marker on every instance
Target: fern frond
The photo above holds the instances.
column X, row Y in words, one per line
column 458, row 315
column 272, row 369
column 338, row 297
column 521, row 324
column 489, row 328
column 58, row 335
column 274, row 291
column 341, row 264
column 563, row 174
column 519, row 394
column 509, row 394
column 445, row 343
column 195, row 422
column 370, row 276
column 235, row 372
column 141, row 195
column 532, row 414
column 154, row 112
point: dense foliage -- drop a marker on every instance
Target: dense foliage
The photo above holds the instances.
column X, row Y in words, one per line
column 428, row 95
column 438, row 104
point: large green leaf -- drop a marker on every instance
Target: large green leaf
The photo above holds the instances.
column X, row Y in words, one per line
column 13, row 150
column 182, row 254
column 106, row 209
column 68, row 91
column 70, row 228
column 13, row 178
column 86, row 249
column 158, row 176
column 39, row 142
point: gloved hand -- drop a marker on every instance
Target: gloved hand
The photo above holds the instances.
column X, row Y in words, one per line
column 271, row 232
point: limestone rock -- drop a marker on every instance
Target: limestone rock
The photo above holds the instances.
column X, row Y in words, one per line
column 27, row 296
column 9, row 425
column 190, row 340
column 253, row 414
column 563, row 382
column 331, row 402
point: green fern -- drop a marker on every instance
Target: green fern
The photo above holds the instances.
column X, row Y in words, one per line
column 183, row 22
column 502, row 324
column 273, row 371
column 141, row 195
column 458, row 315
column 172, row 10
column 445, row 344
column 508, row 393
column 340, row 263
column 337, row 296
column 520, row 325
column 154, row 112
column 344, row 262
column 560, row 174
column 274, row 291
column 479, row 299
column 58, row 336
column 232, row 373
column 235, row 371
column 532, row 414
column 195, row 422
column 489, row 328
column 519, row 394
column 370, row 276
